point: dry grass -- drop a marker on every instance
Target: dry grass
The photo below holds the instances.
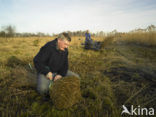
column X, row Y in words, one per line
column 109, row 78
column 142, row 38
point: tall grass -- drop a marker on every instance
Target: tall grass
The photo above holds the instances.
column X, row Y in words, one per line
column 140, row 38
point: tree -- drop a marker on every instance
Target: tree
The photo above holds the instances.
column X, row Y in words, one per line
column 40, row 34
column 9, row 30
column 2, row 34
column 151, row 28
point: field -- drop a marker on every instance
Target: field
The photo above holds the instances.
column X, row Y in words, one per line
column 122, row 72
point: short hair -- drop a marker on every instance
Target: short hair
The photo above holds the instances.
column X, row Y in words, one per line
column 64, row 36
column 87, row 31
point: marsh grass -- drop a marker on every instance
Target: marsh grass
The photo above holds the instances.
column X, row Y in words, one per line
column 115, row 75
column 140, row 38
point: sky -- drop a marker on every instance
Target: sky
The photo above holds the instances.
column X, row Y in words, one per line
column 55, row 16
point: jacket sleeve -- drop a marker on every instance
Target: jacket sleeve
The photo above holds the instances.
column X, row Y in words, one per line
column 64, row 68
column 41, row 59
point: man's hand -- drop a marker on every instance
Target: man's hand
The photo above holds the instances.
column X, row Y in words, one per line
column 49, row 75
column 57, row 77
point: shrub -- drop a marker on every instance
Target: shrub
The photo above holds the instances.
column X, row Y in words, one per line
column 36, row 42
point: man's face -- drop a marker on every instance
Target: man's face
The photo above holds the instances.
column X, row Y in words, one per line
column 63, row 44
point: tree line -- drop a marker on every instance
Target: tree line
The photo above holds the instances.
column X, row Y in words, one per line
column 10, row 31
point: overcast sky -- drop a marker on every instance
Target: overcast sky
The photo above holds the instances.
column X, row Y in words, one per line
column 55, row 16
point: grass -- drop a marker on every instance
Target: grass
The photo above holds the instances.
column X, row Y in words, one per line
column 140, row 38
column 122, row 72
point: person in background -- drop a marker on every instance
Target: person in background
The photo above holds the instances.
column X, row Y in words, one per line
column 88, row 40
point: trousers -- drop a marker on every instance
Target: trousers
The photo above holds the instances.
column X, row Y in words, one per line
column 43, row 82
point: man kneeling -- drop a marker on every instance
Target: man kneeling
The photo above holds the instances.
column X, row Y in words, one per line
column 51, row 62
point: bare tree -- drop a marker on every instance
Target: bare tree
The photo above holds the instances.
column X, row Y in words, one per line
column 2, row 34
column 151, row 28
column 9, row 30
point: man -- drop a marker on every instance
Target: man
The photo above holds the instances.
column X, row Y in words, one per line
column 51, row 62
column 88, row 40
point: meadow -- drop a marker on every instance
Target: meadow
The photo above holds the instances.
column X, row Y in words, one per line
column 122, row 72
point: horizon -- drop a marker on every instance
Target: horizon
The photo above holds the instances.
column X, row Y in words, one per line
column 59, row 16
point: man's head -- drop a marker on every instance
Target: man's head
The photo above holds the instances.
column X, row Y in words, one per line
column 63, row 41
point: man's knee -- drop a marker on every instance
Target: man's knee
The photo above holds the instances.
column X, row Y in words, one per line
column 70, row 73
column 42, row 84
column 42, row 89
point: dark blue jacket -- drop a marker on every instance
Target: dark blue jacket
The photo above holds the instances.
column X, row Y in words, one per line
column 88, row 37
column 50, row 59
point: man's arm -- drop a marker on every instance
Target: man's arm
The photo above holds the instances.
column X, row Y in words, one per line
column 41, row 59
column 64, row 68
